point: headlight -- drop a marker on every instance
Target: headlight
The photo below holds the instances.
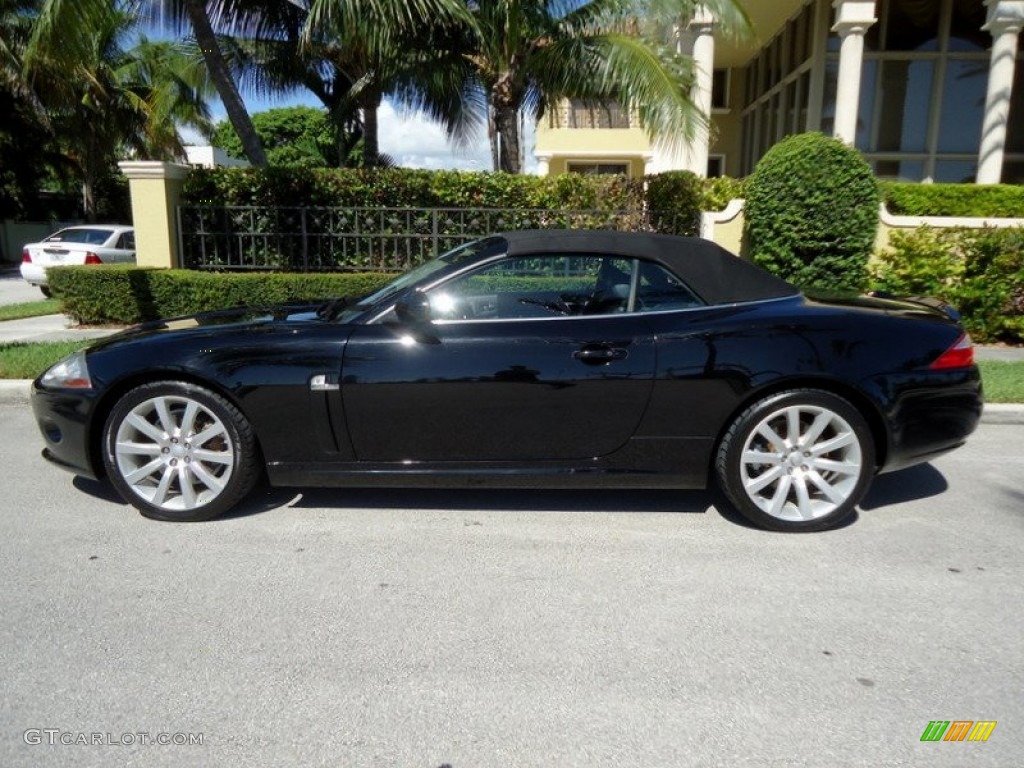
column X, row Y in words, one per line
column 69, row 373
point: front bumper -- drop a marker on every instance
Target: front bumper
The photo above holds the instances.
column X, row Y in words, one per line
column 64, row 417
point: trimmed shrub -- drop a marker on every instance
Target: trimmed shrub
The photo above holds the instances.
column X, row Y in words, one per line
column 812, row 213
column 123, row 295
column 405, row 187
column 979, row 271
column 971, row 200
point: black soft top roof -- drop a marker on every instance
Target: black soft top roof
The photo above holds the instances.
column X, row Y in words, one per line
column 713, row 273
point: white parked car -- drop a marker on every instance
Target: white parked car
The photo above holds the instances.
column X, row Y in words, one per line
column 86, row 244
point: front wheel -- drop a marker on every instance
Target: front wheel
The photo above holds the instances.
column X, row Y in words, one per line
column 179, row 452
column 797, row 461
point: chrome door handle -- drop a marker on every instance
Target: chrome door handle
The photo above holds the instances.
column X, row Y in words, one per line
column 600, row 353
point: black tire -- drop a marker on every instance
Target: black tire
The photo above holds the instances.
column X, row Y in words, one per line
column 46, row 291
column 154, row 462
column 810, row 483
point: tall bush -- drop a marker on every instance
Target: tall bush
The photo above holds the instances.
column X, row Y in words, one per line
column 674, row 201
column 980, row 272
column 812, row 212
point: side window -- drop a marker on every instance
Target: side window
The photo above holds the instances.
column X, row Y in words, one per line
column 659, row 290
column 536, row 287
column 127, row 241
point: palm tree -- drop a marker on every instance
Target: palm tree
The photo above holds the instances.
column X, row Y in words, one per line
column 374, row 47
column 111, row 100
column 519, row 57
column 348, row 53
column 61, row 22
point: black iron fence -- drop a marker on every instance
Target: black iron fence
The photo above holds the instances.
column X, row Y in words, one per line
column 308, row 239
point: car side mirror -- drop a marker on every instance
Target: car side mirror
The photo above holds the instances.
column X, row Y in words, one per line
column 414, row 309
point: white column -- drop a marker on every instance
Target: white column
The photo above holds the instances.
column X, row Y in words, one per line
column 543, row 163
column 1005, row 21
column 702, row 29
column 696, row 40
column 853, row 17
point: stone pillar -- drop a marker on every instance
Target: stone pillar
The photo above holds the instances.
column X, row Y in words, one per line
column 1005, row 21
column 543, row 164
column 702, row 29
column 853, row 17
column 155, row 191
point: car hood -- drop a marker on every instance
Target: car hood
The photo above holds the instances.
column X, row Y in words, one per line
column 244, row 319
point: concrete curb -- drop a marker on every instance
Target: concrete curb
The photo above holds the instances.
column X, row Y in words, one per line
column 16, row 392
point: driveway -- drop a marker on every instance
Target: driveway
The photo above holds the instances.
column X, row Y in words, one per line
column 474, row 629
column 13, row 289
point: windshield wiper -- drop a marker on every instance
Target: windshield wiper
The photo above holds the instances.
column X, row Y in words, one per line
column 332, row 308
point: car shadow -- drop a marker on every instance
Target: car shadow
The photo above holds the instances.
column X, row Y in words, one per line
column 919, row 482
column 98, row 489
column 922, row 481
column 487, row 500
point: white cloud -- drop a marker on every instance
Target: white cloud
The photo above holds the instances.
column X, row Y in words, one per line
column 416, row 142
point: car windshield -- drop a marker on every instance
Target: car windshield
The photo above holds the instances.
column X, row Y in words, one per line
column 88, row 236
column 446, row 262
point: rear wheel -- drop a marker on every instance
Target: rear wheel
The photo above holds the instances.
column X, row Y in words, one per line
column 46, row 291
column 179, row 452
column 797, row 461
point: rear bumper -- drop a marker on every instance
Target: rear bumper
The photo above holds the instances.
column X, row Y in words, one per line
column 933, row 412
column 33, row 273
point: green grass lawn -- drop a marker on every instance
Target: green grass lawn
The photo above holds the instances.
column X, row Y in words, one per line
column 29, row 309
column 1004, row 381
column 21, row 360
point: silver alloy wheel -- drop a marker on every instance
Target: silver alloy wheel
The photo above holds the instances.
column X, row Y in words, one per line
column 801, row 462
column 174, row 452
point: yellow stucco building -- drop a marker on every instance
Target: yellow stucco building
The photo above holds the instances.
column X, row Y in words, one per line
column 928, row 90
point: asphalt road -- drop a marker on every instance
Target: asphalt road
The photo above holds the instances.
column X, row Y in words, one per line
column 381, row 628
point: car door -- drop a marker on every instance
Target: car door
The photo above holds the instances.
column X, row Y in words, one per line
column 522, row 360
column 121, row 249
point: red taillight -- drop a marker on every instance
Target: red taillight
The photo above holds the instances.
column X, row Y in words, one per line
column 92, row 258
column 960, row 355
column 26, row 257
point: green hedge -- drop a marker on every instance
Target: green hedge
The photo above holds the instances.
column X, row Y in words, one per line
column 123, row 294
column 404, row 187
column 972, row 200
column 980, row 272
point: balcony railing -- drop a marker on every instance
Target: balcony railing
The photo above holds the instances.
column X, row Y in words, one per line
column 589, row 114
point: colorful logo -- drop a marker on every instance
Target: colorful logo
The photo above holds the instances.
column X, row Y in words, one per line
column 958, row 730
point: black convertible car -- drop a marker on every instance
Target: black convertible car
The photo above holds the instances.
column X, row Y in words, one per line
column 527, row 359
